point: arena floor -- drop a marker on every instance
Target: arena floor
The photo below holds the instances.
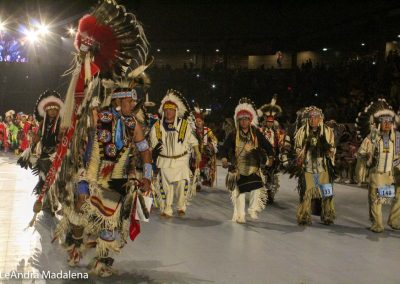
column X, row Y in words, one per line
column 206, row 247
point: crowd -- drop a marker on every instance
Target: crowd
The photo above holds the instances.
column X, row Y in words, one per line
column 341, row 89
column 17, row 131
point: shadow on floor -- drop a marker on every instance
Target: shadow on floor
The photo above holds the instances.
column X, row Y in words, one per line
column 191, row 222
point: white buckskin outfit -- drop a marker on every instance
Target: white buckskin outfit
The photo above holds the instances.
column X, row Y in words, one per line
column 173, row 143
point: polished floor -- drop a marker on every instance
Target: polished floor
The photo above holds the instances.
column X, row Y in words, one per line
column 206, row 247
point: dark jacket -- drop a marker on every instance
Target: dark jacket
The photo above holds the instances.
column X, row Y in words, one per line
column 228, row 149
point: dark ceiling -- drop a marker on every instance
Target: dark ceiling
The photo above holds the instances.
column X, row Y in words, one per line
column 237, row 26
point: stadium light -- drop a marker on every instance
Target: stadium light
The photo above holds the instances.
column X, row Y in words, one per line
column 42, row 29
column 32, row 36
column 71, row 31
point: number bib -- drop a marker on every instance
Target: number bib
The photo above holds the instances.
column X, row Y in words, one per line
column 326, row 190
column 387, row 191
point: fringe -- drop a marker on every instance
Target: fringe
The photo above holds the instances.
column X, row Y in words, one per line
column 118, row 171
column 275, row 183
column 52, row 199
column 94, row 164
column 155, row 185
column 262, row 199
column 97, row 221
column 94, row 189
column 230, row 180
column 234, row 194
column 315, row 193
column 329, row 215
column 69, row 197
column 264, row 180
column 312, row 193
column 124, row 234
column 192, row 186
column 384, row 200
column 25, row 156
column 104, row 248
column 61, row 229
column 77, row 219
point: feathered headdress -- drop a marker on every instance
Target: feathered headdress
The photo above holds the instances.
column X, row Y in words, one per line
column 271, row 111
column 10, row 113
column 116, row 38
column 300, row 119
column 48, row 99
column 370, row 117
column 200, row 113
column 113, row 42
column 312, row 111
column 174, row 97
column 137, row 87
column 246, row 108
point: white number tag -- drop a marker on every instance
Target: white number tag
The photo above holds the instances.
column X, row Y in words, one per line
column 326, row 190
column 387, row 191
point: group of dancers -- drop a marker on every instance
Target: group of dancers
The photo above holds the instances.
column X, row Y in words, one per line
column 103, row 162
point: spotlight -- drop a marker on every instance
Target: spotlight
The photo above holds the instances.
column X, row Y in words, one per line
column 32, row 36
column 324, row 49
column 217, row 50
column 198, row 75
column 213, row 86
column 2, row 27
column 158, row 50
column 187, row 50
column 71, row 31
column 362, row 44
column 43, row 29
